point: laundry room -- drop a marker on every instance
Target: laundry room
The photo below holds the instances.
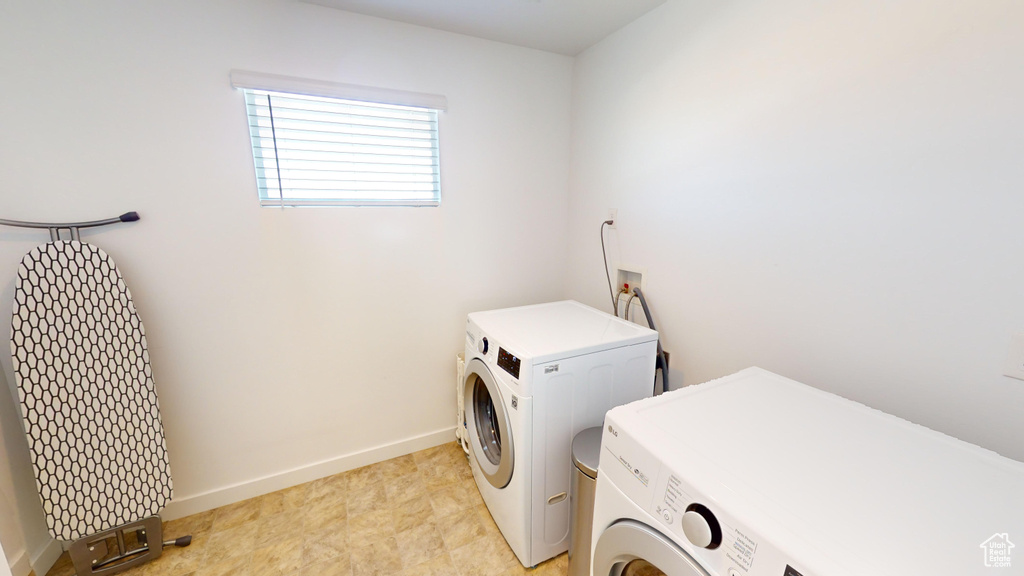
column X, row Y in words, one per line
column 829, row 192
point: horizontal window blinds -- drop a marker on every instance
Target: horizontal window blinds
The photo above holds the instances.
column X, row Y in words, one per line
column 324, row 151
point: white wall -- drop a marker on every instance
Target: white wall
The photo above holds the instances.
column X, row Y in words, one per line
column 831, row 191
column 12, row 532
column 280, row 339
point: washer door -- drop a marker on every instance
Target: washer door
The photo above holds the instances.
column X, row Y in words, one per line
column 490, row 434
column 629, row 548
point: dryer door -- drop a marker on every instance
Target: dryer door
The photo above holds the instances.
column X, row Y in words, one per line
column 630, row 548
column 490, row 434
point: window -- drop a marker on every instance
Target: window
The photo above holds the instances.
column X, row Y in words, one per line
column 326, row 144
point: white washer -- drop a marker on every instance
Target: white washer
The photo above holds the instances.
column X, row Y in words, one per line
column 758, row 475
column 535, row 376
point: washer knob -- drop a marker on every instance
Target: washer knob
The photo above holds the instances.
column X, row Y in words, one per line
column 483, row 345
column 701, row 527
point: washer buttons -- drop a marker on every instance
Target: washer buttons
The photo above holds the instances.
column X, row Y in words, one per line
column 667, row 516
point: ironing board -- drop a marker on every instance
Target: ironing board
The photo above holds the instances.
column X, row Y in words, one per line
column 89, row 404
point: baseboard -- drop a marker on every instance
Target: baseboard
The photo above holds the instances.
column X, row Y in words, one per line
column 188, row 505
column 41, row 561
column 19, row 563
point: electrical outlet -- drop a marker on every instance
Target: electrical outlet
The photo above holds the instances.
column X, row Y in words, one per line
column 613, row 215
column 1014, row 367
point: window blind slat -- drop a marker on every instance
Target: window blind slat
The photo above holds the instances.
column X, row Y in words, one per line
column 334, row 176
column 283, row 115
column 285, row 135
column 301, row 146
column 361, row 114
column 373, row 167
column 322, row 158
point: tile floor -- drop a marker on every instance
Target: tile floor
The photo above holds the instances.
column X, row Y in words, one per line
column 415, row 515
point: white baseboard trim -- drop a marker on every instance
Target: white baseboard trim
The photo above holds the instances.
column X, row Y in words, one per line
column 41, row 561
column 188, row 505
column 19, row 563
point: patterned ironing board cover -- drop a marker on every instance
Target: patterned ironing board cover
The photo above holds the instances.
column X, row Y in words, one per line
column 86, row 390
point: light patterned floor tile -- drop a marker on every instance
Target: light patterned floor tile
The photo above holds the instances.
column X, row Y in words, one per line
column 340, row 566
column 367, row 499
column 419, row 544
column 326, row 544
column 484, row 557
column 448, row 501
column 283, row 500
column 237, row 541
column 441, row 476
column 416, row 515
column 331, row 486
column 402, row 488
column 279, row 526
column 194, row 524
column 429, row 454
column 413, row 512
column 278, row 559
column 236, row 514
column 368, row 528
column 230, row 566
column 324, row 512
column 437, row 566
column 487, row 521
column 63, row 566
column 400, row 466
column 461, row 528
column 557, row 566
column 365, row 477
column 378, row 559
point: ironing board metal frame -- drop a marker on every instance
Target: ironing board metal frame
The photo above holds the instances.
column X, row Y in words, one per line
column 71, row 227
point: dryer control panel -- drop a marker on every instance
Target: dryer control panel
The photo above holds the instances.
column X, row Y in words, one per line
column 714, row 535
column 697, row 521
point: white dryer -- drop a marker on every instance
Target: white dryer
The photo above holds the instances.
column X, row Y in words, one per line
column 758, row 475
column 535, row 376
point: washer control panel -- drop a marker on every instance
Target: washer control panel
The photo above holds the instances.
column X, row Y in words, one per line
column 508, row 362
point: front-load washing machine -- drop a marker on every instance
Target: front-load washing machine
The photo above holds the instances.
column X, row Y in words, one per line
column 534, row 377
column 757, row 475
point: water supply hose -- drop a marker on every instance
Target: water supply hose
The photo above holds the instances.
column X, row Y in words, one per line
column 660, row 362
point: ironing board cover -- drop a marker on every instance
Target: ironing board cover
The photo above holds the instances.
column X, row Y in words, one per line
column 86, row 391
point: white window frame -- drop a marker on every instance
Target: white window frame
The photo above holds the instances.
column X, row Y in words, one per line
column 256, row 84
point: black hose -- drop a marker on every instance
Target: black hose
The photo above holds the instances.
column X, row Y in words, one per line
column 660, row 363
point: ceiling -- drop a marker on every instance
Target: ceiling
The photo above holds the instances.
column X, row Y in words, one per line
column 561, row 26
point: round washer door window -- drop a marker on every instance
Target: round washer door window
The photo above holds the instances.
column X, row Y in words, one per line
column 630, row 548
column 490, row 434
